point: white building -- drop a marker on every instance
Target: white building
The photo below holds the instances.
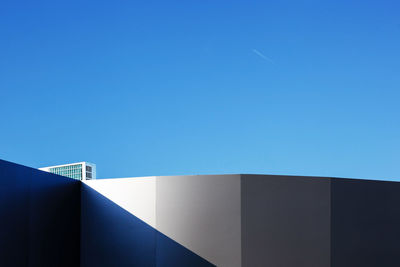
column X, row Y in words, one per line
column 80, row 170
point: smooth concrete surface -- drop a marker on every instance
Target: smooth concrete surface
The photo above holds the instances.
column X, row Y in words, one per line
column 112, row 236
column 365, row 223
column 285, row 221
column 136, row 195
column 39, row 218
column 203, row 220
column 202, row 213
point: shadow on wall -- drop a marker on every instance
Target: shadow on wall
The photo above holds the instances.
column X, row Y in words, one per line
column 111, row 236
column 39, row 218
column 365, row 223
column 50, row 220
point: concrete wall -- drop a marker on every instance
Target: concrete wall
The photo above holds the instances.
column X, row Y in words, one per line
column 112, row 234
column 285, row 221
column 40, row 218
column 307, row 221
column 136, row 195
column 205, row 220
column 202, row 213
column 365, row 223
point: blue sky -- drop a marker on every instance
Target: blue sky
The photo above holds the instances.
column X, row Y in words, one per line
column 202, row 87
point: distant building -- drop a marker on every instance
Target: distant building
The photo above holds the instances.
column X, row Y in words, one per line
column 80, row 171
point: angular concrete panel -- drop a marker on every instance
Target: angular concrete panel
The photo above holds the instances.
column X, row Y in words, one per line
column 112, row 236
column 205, row 220
column 365, row 223
column 40, row 218
column 285, row 221
column 135, row 195
column 202, row 213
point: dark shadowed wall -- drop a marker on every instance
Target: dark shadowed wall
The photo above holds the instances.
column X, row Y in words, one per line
column 40, row 218
column 365, row 223
column 285, row 221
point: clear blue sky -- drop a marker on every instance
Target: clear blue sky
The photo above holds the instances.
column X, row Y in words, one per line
column 202, row 87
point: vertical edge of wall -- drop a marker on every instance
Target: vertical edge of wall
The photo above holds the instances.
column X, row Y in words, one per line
column 285, row 221
column 80, row 223
column 241, row 220
column 365, row 223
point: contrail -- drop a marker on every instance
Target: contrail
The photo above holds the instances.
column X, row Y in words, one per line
column 258, row 53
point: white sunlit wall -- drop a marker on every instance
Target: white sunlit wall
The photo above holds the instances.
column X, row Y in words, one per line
column 197, row 217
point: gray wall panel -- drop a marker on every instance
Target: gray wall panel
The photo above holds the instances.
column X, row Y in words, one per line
column 202, row 213
column 285, row 221
column 365, row 223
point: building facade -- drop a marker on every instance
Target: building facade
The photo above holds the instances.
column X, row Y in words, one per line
column 236, row 220
column 79, row 171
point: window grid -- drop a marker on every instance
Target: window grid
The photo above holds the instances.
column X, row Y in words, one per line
column 71, row 171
